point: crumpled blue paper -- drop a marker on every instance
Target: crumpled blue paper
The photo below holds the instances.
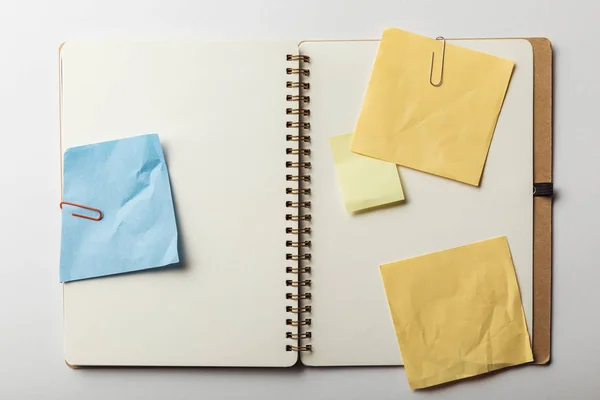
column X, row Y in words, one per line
column 128, row 181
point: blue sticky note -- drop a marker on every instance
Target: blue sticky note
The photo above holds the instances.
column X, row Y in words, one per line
column 128, row 181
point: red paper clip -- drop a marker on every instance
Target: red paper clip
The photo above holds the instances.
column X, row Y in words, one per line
column 98, row 218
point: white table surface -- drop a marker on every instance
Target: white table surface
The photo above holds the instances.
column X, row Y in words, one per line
column 31, row 363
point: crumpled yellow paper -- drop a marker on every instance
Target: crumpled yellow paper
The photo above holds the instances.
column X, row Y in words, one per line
column 364, row 182
column 443, row 130
column 457, row 313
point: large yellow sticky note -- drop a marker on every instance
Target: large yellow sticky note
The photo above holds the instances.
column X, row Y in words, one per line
column 365, row 182
column 443, row 130
column 457, row 313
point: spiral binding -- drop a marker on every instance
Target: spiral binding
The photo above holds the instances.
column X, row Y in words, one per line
column 300, row 205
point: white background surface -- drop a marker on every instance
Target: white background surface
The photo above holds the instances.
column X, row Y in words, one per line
column 31, row 365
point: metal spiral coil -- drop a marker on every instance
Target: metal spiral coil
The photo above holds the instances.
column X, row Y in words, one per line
column 305, row 335
column 306, row 282
column 302, row 152
column 300, row 296
column 299, row 247
column 308, row 347
column 298, row 310
column 296, row 164
column 292, row 57
column 305, row 243
column 297, row 111
column 305, row 191
column 297, row 204
column 297, row 257
column 296, row 84
column 298, row 270
column 293, row 231
column 304, row 99
column 299, row 322
column 292, row 217
column 298, row 71
column 297, row 138
column 305, row 178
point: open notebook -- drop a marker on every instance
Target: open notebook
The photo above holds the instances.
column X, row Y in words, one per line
column 274, row 270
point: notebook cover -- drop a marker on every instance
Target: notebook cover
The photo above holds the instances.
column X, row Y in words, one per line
column 542, row 206
column 542, row 254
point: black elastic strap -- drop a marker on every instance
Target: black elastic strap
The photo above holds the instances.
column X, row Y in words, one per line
column 544, row 189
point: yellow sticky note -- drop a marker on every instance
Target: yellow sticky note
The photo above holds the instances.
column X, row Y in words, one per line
column 457, row 313
column 443, row 130
column 365, row 182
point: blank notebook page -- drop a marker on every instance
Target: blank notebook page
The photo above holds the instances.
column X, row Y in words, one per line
column 351, row 322
column 219, row 109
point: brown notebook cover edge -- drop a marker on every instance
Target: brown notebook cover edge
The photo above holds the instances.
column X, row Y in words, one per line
column 542, row 206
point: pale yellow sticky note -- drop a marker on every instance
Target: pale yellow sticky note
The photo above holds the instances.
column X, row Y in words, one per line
column 365, row 182
column 457, row 313
column 443, row 130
